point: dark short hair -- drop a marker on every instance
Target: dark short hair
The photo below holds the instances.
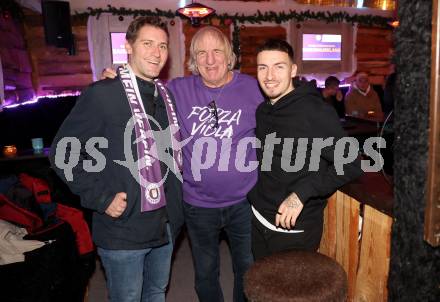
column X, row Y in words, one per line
column 332, row 81
column 277, row 44
column 138, row 23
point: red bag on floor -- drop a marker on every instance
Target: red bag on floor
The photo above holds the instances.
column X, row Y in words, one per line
column 76, row 220
column 9, row 211
column 72, row 216
column 38, row 187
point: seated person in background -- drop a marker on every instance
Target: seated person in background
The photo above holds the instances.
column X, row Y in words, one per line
column 298, row 81
column 333, row 95
column 361, row 100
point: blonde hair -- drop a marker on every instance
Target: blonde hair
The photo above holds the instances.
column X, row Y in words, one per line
column 230, row 55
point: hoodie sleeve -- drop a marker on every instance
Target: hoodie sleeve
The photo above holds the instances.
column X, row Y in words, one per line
column 84, row 121
column 327, row 180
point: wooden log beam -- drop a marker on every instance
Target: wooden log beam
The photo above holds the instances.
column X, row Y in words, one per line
column 373, row 56
column 373, row 64
column 55, row 68
column 363, row 43
column 77, row 80
column 374, row 31
column 47, row 56
column 372, row 48
column 37, row 32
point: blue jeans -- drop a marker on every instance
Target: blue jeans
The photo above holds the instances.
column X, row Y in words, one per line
column 204, row 226
column 137, row 275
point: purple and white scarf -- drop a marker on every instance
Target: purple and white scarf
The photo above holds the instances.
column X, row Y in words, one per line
column 149, row 171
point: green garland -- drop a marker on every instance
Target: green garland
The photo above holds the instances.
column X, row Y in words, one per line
column 270, row 16
column 258, row 18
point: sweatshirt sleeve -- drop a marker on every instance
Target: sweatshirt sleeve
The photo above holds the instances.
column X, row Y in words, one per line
column 84, row 121
column 327, row 180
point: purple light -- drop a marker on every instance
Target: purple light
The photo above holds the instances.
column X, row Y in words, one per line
column 11, row 106
column 321, row 84
column 33, row 101
column 36, row 99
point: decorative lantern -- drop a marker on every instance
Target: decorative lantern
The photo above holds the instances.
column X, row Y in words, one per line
column 195, row 12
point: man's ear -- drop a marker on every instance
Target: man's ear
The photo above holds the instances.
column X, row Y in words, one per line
column 128, row 48
column 294, row 70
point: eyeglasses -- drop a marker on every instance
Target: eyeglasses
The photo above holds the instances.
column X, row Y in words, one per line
column 213, row 109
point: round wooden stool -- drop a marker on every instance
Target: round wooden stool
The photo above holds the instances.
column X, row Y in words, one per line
column 296, row 276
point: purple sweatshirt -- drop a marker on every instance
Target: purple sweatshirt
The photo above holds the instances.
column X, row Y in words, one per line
column 211, row 178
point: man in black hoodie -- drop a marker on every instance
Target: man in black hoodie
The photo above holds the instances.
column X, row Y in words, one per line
column 137, row 205
column 293, row 182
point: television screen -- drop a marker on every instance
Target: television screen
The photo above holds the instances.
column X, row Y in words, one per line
column 119, row 54
column 321, row 47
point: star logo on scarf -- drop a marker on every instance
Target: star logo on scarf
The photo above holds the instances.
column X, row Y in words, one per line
column 162, row 148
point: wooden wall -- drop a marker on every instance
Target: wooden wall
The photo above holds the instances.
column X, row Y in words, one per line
column 252, row 37
column 15, row 62
column 374, row 48
column 54, row 70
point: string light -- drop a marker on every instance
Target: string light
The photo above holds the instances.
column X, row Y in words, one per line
column 36, row 99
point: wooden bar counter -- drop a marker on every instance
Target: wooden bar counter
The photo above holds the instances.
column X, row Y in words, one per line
column 357, row 234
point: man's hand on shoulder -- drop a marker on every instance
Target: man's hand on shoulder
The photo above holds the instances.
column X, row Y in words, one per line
column 118, row 205
column 289, row 211
column 108, row 73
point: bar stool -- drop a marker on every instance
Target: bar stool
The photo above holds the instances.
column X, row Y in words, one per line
column 296, row 276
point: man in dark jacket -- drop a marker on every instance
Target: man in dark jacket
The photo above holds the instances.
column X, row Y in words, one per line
column 134, row 194
column 332, row 95
column 293, row 181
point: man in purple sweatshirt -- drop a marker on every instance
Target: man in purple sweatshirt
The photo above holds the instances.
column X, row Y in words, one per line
column 216, row 106
column 216, row 109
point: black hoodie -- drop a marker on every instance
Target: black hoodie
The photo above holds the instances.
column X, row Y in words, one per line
column 299, row 114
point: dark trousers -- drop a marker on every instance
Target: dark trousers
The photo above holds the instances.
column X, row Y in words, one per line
column 266, row 242
column 204, row 226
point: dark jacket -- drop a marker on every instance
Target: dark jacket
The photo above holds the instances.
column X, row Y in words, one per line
column 337, row 105
column 299, row 114
column 102, row 110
